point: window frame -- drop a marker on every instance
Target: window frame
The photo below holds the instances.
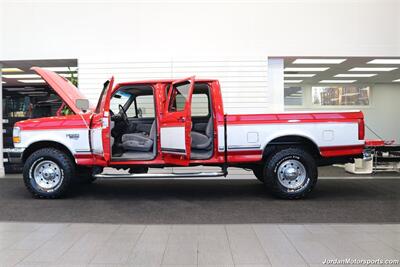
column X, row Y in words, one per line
column 132, row 98
column 209, row 101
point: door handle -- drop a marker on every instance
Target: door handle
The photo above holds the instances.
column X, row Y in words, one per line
column 181, row 119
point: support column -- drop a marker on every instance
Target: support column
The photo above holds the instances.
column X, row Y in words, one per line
column 276, row 84
column 2, row 173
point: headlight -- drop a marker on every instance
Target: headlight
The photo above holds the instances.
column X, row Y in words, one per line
column 16, row 135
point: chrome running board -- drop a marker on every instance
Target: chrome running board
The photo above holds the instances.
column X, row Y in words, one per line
column 161, row 175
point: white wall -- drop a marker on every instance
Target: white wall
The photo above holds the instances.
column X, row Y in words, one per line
column 382, row 115
column 243, row 82
column 135, row 29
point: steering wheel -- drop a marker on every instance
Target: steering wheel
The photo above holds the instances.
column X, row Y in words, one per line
column 123, row 115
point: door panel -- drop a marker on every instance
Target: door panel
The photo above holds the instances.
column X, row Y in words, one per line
column 176, row 123
column 100, row 124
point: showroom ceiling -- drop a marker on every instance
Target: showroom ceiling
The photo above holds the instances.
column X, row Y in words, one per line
column 341, row 70
column 17, row 73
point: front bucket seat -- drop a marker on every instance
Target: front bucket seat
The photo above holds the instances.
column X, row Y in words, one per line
column 139, row 141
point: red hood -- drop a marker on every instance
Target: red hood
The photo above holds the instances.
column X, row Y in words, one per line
column 64, row 88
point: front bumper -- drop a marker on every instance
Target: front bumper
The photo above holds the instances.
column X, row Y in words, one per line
column 13, row 155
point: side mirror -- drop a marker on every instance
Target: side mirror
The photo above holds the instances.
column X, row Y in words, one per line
column 82, row 104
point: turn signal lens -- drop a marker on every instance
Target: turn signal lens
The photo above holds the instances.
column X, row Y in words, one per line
column 16, row 135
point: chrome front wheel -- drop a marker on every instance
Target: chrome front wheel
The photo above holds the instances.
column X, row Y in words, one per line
column 47, row 175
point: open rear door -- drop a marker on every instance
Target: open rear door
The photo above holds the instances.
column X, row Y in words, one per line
column 176, row 123
column 100, row 125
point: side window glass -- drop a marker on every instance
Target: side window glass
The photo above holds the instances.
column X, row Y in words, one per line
column 179, row 96
column 200, row 105
column 145, row 106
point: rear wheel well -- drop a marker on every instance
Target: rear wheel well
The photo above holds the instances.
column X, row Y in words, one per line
column 292, row 141
column 46, row 144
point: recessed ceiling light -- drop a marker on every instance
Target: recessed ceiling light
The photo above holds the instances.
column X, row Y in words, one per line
column 307, row 69
column 385, row 61
column 61, row 69
column 396, row 81
column 347, row 75
column 20, row 76
column 32, row 81
column 300, row 75
column 372, row 69
column 319, row 60
column 293, row 81
column 337, row 81
column 11, row 70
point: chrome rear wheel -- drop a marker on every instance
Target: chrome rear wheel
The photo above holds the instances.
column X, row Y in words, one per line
column 291, row 174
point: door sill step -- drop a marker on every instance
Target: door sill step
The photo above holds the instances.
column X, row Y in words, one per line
column 161, row 175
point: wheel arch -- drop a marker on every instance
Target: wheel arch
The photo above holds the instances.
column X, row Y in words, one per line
column 46, row 144
column 292, row 140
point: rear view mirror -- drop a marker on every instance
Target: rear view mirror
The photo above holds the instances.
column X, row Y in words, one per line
column 82, row 104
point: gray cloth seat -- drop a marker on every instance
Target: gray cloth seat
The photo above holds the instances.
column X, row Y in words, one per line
column 202, row 141
column 139, row 141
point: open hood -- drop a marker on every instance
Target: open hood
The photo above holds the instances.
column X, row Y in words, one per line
column 64, row 88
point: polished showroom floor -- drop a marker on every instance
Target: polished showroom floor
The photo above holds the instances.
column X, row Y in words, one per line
column 228, row 222
column 64, row 244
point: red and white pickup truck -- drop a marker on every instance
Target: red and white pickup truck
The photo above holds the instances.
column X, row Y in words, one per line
column 163, row 123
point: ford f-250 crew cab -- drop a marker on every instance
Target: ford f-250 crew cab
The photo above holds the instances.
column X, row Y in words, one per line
column 163, row 123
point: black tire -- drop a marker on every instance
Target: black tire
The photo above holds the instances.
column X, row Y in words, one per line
column 84, row 175
column 65, row 172
column 278, row 161
column 259, row 173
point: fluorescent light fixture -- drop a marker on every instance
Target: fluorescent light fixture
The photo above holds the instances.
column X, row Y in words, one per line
column 319, row 60
column 20, row 89
column 20, row 76
column 372, row 69
column 355, row 75
column 300, row 75
column 293, row 81
column 61, row 69
column 396, row 81
column 307, row 69
column 32, row 81
column 11, row 70
column 337, row 81
column 33, row 93
column 385, row 61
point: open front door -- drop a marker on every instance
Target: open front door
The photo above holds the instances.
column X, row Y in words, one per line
column 100, row 125
column 176, row 123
